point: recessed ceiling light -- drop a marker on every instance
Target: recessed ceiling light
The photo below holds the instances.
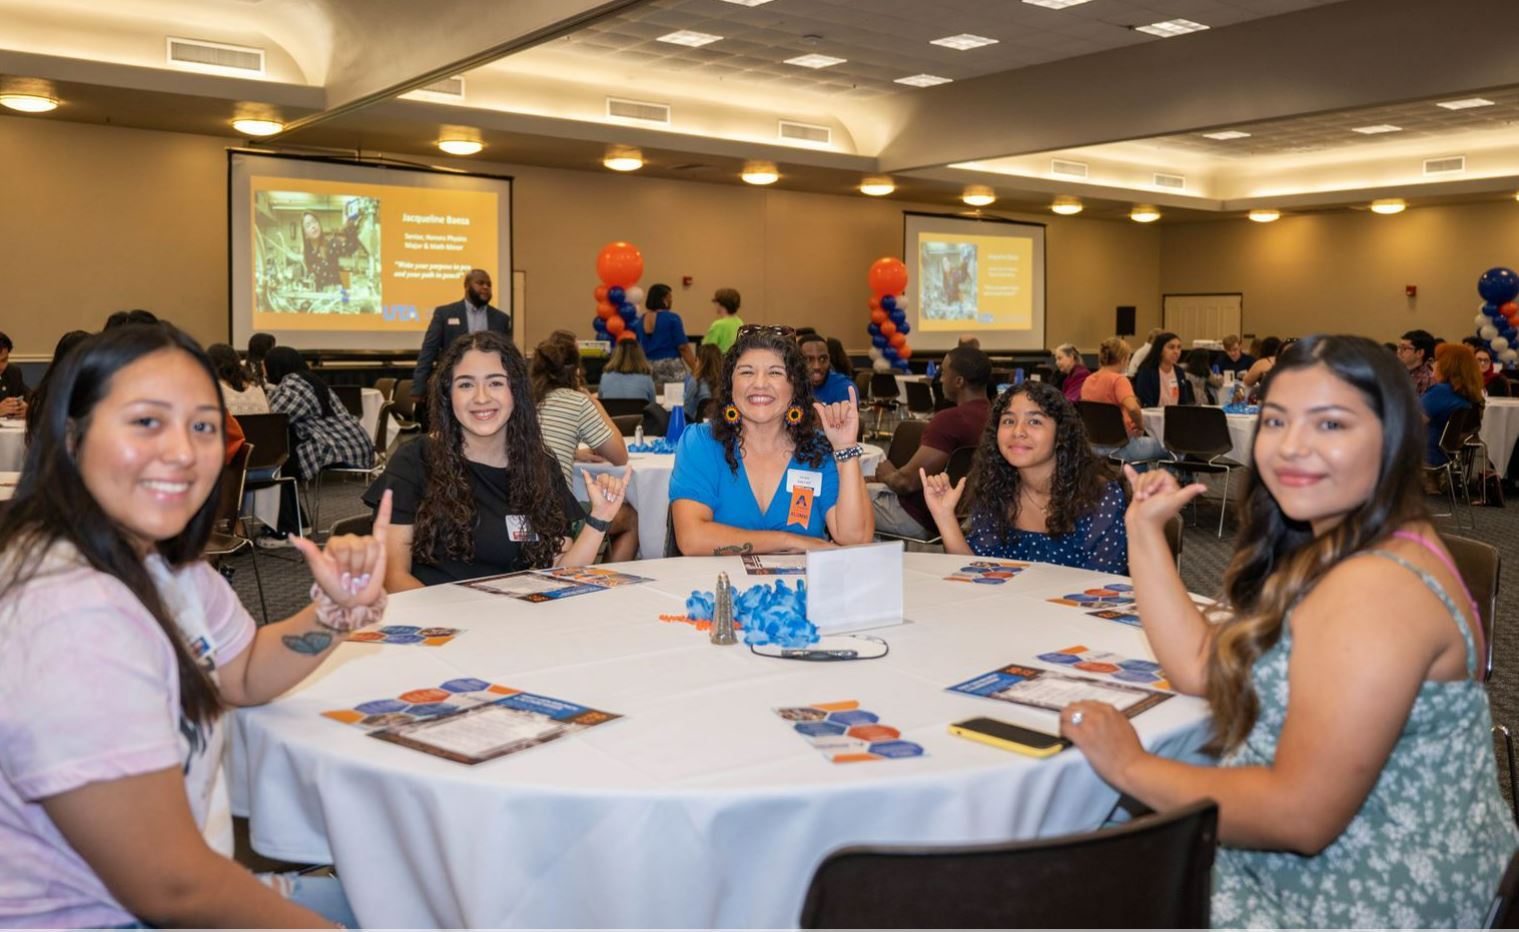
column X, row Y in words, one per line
column 688, row 38
column 1171, row 27
column 922, row 80
column 1379, row 128
column 29, row 103
column 877, row 187
column 1055, row 4
column 623, row 159
column 979, row 196
column 963, row 42
column 253, row 127
column 1265, row 214
column 1227, row 134
column 1144, row 213
column 1465, row 104
column 460, row 146
column 1066, row 205
column 760, row 173
column 1388, row 205
column 816, row 61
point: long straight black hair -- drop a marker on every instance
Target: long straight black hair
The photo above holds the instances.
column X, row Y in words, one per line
column 52, row 503
column 284, row 361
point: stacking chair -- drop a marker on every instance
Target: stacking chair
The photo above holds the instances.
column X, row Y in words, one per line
column 616, row 406
column 358, row 524
column 1154, row 872
column 352, row 398
column 269, row 437
column 1460, row 428
column 884, row 395
column 1479, row 564
column 1199, row 436
column 225, row 539
column 920, row 399
column 862, row 383
column 386, row 387
column 905, row 441
column 1105, row 427
column 406, row 406
column 628, row 424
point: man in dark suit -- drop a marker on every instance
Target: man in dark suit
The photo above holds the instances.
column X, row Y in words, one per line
column 452, row 321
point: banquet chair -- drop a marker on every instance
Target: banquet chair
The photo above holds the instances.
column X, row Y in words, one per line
column 269, row 437
column 1154, row 872
column 920, row 399
column 1459, row 428
column 225, row 539
column 617, row 406
column 884, row 395
column 628, row 424
column 956, row 469
column 862, row 384
column 1105, row 426
column 405, row 404
column 358, row 524
column 1504, row 911
column 1479, row 564
column 352, row 398
column 386, row 387
column 1199, row 436
column 905, row 441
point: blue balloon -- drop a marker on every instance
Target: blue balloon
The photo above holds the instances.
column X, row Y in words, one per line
column 888, row 303
column 875, row 330
column 628, row 311
column 615, row 294
column 1498, row 285
column 890, row 352
column 879, row 342
column 600, row 326
column 1492, row 310
column 899, row 317
column 903, row 329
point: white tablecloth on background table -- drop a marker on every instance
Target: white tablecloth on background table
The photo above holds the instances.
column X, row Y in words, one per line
column 12, row 444
column 1500, row 429
column 8, row 482
column 701, row 808
column 1241, row 432
column 650, row 492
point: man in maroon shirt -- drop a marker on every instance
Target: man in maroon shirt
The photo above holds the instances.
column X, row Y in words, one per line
column 899, row 506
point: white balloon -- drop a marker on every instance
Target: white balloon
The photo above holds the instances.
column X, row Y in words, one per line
column 1499, row 344
column 1482, row 320
column 1509, row 355
column 1488, row 332
column 633, row 296
column 901, row 302
column 881, row 365
column 875, row 354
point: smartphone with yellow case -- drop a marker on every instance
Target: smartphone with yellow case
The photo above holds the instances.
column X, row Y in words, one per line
column 1010, row 737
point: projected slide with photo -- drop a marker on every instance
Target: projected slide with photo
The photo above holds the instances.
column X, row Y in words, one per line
column 977, row 277
column 340, row 255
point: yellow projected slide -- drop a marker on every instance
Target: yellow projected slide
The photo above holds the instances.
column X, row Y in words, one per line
column 975, row 282
column 341, row 256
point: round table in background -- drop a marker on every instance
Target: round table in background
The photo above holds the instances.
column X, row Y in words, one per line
column 700, row 808
column 12, row 444
column 1500, row 430
column 1241, row 432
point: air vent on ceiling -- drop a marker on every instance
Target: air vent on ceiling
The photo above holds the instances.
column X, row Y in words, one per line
column 691, row 167
column 1174, row 182
column 194, row 53
column 448, row 87
column 1068, row 168
column 1445, row 166
column 641, row 110
column 806, row 132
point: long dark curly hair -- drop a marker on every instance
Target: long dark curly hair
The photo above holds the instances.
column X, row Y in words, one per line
column 1080, row 479
column 807, row 438
column 447, row 515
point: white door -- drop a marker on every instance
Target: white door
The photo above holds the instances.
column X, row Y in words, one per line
column 1202, row 316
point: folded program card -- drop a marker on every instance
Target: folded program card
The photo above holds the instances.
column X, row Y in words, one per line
column 853, row 588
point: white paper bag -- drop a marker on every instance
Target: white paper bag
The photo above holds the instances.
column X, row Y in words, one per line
column 853, row 588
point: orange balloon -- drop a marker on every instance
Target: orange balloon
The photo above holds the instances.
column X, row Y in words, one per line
column 888, row 275
column 887, row 329
column 601, row 293
column 615, row 325
column 619, row 263
column 875, row 304
column 904, row 352
column 1509, row 310
column 898, row 340
column 605, row 310
column 626, row 335
column 878, row 316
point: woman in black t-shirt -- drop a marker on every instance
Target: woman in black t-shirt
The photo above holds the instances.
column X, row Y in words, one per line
column 481, row 495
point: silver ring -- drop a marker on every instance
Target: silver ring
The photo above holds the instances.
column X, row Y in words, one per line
column 1076, row 717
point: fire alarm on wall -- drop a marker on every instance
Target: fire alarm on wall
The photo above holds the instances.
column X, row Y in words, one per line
column 686, row 280
column 1411, row 291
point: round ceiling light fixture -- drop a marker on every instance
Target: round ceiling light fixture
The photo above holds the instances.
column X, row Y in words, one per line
column 979, row 196
column 1265, row 214
column 1067, row 206
column 877, row 187
column 1388, row 205
column 623, row 159
column 29, row 103
column 760, row 173
column 1144, row 213
column 257, row 127
column 460, row 146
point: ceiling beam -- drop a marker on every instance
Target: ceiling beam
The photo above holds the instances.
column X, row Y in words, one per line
column 1355, row 53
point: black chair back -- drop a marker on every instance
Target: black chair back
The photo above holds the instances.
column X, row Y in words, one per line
column 905, row 441
column 616, row 406
column 628, row 424
column 920, row 397
column 269, row 434
column 1479, row 564
column 229, row 492
column 862, row 383
column 1104, row 423
column 402, row 402
column 883, row 385
column 1462, row 426
column 672, row 549
column 1156, row 873
column 959, row 464
column 352, row 398
column 386, row 387
column 1504, row 913
column 1198, row 432
column 358, row 524
column 703, row 411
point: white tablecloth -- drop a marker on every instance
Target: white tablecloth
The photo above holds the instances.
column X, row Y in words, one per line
column 650, row 491
column 12, row 445
column 8, row 482
column 701, row 808
column 1500, row 429
column 1241, row 432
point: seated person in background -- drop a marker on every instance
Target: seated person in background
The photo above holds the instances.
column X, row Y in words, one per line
column 1234, row 358
column 1109, row 386
column 326, row 434
column 839, row 358
column 1457, row 387
column 701, row 384
column 1265, row 359
column 1072, row 371
column 828, row 386
column 124, row 649
column 259, row 346
column 480, row 495
column 1159, row 381
column 13, row 390
column 771, row 471
column 65, row 343
column 568, row 416
column 1494, row 383
column 1200, row 375
column 1416, row 350
column 1138, row 358
column 968, row 340
column 1371, row 773
column 239, row 392
column 627, row 373
column 1041, row 492
column 899, row 507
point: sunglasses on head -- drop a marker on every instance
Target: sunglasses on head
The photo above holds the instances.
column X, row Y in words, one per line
column 779, row 329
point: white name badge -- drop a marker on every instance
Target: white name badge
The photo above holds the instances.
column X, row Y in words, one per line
column 804, row 479
column 453, row 321
column 518, row 531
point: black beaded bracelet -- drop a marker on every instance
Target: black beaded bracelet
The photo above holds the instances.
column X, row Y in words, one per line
column 854, row 452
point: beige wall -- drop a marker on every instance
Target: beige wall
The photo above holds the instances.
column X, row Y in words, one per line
column 96, row 218
column 1346, row 271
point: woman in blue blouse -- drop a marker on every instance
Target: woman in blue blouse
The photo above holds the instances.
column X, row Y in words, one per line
column 1041, row 493
column 1457, row 387
column 662, row 334
column 772, row 470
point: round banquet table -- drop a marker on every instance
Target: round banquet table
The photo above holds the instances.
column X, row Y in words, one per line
column 12, row 444
column 1241, row 432
column 649, row 493
column 1500, row 430
column 700, row 808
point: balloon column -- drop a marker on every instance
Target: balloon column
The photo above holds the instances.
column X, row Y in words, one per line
column 618, row 265
column 1498, row 323
column 888, row 315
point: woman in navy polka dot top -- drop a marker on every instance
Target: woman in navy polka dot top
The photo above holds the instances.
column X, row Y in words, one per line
column 1041, row 493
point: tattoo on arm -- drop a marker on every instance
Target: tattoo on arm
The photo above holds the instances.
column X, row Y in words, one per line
column 311, row 643
column 728, row 550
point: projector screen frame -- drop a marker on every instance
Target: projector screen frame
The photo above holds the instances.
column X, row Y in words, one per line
column 364, row 162
column 909, row 256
